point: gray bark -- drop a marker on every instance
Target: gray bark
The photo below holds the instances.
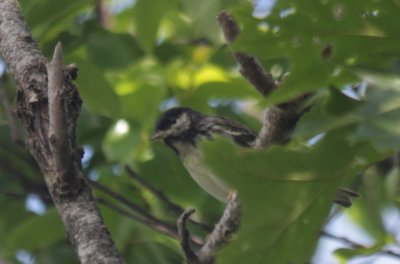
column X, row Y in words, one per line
column 51, row 137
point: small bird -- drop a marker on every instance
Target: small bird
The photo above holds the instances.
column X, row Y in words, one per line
column 181, row 128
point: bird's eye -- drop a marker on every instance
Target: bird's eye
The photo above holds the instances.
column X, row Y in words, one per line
column 172, row 120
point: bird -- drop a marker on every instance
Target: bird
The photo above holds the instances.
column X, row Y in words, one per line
column 181, row 128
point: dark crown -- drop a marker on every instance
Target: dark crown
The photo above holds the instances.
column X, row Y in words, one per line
column 168, row 118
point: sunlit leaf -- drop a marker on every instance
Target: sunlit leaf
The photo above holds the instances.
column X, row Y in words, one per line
column 210, row 73
column 202, row 15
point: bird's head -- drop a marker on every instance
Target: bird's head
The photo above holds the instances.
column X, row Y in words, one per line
column 178, row 123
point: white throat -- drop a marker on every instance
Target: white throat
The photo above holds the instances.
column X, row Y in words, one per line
column 192, row 160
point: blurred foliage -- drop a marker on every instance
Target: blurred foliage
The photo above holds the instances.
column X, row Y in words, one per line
column 138, row 58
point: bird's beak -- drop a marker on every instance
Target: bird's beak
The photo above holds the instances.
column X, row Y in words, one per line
column 159, row 135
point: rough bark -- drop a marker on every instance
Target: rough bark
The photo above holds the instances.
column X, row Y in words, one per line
column 281, row 119
column 51, row 134
column 221, row 236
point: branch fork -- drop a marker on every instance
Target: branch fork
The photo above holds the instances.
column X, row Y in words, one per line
column 279, row 122
column 221, row 235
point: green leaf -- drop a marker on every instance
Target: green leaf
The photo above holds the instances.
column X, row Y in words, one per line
column 147, row 17
column 359, row 34
column 121, row 141
column 345, row 254
column 59, row 253
column 286, row 195
column 153, row 252
column 235, row 88
column 392, row 180
column 28, row 235
column 167, row 173
column 375, row 118
column 47, row 17
column 368, row 212
column 332, row 110
column 12, row 215
column 96, row 91
column 202, row 14
column 142, row 104
column 111, row 50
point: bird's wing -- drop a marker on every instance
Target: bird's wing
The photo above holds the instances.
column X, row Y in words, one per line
column 239, row 133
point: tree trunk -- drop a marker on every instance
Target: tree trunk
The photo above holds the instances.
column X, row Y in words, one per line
column 48, row 107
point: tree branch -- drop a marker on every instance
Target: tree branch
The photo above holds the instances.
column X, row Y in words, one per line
column 160, row 195
column 219, row 237
column 223, row 231
column 177, row 209
column 280, row 119
column 279, row 122
column 356, row 245
column 140, row 213
column 101, row 13
column 58, row 136
column 62, row 171
column 250, row 68
column 134, row 207
column 184, row 237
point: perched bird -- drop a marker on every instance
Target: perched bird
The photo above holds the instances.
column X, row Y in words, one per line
column 180, row 128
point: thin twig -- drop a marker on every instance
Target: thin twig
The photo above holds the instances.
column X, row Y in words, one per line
column 24, row 195
column 122, row 211
column 356, row 245
column 160, row 228
column 281, row 119
column 229, row 27
column 101, row 13
column 254, row 73
column 163, row 198
column 134, row 207
column 159, row 194
column 343, row 240
column 58, row 135
column 14, row 194
column 219, row 237
column 184, row 237
column 250, row 68
column 13, row 172
column 149, row 219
